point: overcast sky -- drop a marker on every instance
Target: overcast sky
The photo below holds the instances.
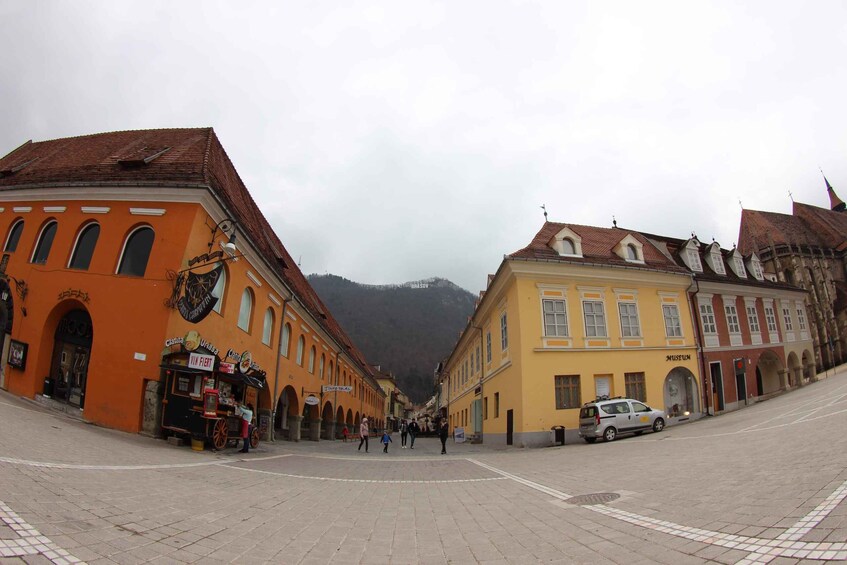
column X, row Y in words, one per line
column 393, row 141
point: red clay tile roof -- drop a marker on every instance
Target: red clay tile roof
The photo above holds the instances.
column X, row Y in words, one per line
column 194, row 157
column 759, row 230
column 597, row 247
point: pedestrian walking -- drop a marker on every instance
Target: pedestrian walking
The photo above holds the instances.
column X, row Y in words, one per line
column 414, row 430
column 386, row 439
column 246, row 424
column 443, row 433
column 404, row 433
column 345, row 432
column 363, row 433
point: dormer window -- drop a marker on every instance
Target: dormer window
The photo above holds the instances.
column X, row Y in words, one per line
column 736, row 262
column 630, row 249
column 715, row 260
column 756, row 267
column 691, row 255
column 566, row 243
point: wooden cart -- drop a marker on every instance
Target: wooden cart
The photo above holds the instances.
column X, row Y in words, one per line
column 202, row 405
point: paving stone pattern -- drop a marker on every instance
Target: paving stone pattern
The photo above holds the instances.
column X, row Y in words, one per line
column 766, row 484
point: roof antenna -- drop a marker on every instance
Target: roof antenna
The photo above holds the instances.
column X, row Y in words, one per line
column 614, row 221
column 740, row 204
column 543, row 207
column 300, row 258
column 791, row 196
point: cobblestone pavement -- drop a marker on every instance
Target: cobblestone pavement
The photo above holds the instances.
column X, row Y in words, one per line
column 766, row 484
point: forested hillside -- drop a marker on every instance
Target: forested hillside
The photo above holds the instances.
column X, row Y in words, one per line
column 407, row 329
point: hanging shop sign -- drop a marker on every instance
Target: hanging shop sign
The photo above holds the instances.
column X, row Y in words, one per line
column 197, row 300
column 244, row 361
column 312, row 400
column 227, row 368
column 201, row 361
column 191, row 342
column 337, row 388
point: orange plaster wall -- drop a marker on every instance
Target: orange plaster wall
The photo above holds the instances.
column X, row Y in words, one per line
column 128, row 313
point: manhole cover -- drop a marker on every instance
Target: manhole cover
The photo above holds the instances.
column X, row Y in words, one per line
column 594, row 498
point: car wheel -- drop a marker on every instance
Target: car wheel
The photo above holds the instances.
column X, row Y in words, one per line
column 590, row 439
column 610, row 434
column 658, row 425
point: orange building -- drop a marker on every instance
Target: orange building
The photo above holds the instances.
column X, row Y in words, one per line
column 124, row 250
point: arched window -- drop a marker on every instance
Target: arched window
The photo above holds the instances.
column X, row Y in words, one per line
column 330, row 372
column 267, row 329
column 321, row 366
column 312, row 360
column 136, row 252
column 286, row 340
column 246, row 310
column 45, row 242
column 14, row 236
column 84, row 248
column 301, row 345
column 218, row 291
column 631, row 253
column 568, row 247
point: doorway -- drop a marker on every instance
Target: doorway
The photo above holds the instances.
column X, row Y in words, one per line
column 717, row 385
column 71, row 355
column 510, row 427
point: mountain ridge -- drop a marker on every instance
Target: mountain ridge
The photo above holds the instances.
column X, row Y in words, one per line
column 405, row 328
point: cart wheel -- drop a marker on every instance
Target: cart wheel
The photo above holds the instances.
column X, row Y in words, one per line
column 219, row 434
column 254, row 438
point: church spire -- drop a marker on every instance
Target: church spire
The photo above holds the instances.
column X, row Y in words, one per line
column 836, row 204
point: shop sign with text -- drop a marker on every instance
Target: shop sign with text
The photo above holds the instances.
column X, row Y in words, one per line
column 201, row 361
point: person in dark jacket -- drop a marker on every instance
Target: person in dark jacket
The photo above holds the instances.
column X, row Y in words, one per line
column 443, row 433
column 414, row 430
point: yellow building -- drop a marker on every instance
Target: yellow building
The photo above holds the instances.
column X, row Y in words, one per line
column 581, row 312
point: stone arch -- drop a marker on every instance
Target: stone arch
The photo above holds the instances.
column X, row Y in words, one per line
column 70, row 346
column 770, row 376
column 809, row 369
column 287, row 419
column 681, row 393
column 793, row 371
column 350, row 420
column 327, row 421
column 339, row 422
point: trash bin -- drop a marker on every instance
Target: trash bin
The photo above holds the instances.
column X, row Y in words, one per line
column 48, row 387
column 558, row 435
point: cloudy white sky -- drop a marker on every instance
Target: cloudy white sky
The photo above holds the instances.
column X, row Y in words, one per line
column 393, row 141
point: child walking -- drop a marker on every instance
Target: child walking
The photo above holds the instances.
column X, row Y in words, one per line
column 386, row 439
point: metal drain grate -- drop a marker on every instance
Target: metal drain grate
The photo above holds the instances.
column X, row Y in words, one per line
column 594, row 498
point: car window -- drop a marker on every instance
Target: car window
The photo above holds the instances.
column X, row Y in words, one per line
column 616, row 408
column 638, row 407
column 588, row 412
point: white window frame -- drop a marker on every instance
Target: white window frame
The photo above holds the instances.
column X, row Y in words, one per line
column 732, row 322
column 267, row 328
column 753, row 318
column 504, row 332
column 245, row 311
column 770, row 318
column 560, row 319
column 630, row 322
column 673, row 322
column 707, row 319
column 601, row 316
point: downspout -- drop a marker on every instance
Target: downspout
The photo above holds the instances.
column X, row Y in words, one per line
column 698, row 333
column 481, row 387
column 285, row 302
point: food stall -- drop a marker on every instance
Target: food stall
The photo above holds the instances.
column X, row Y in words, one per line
column 202, row 395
